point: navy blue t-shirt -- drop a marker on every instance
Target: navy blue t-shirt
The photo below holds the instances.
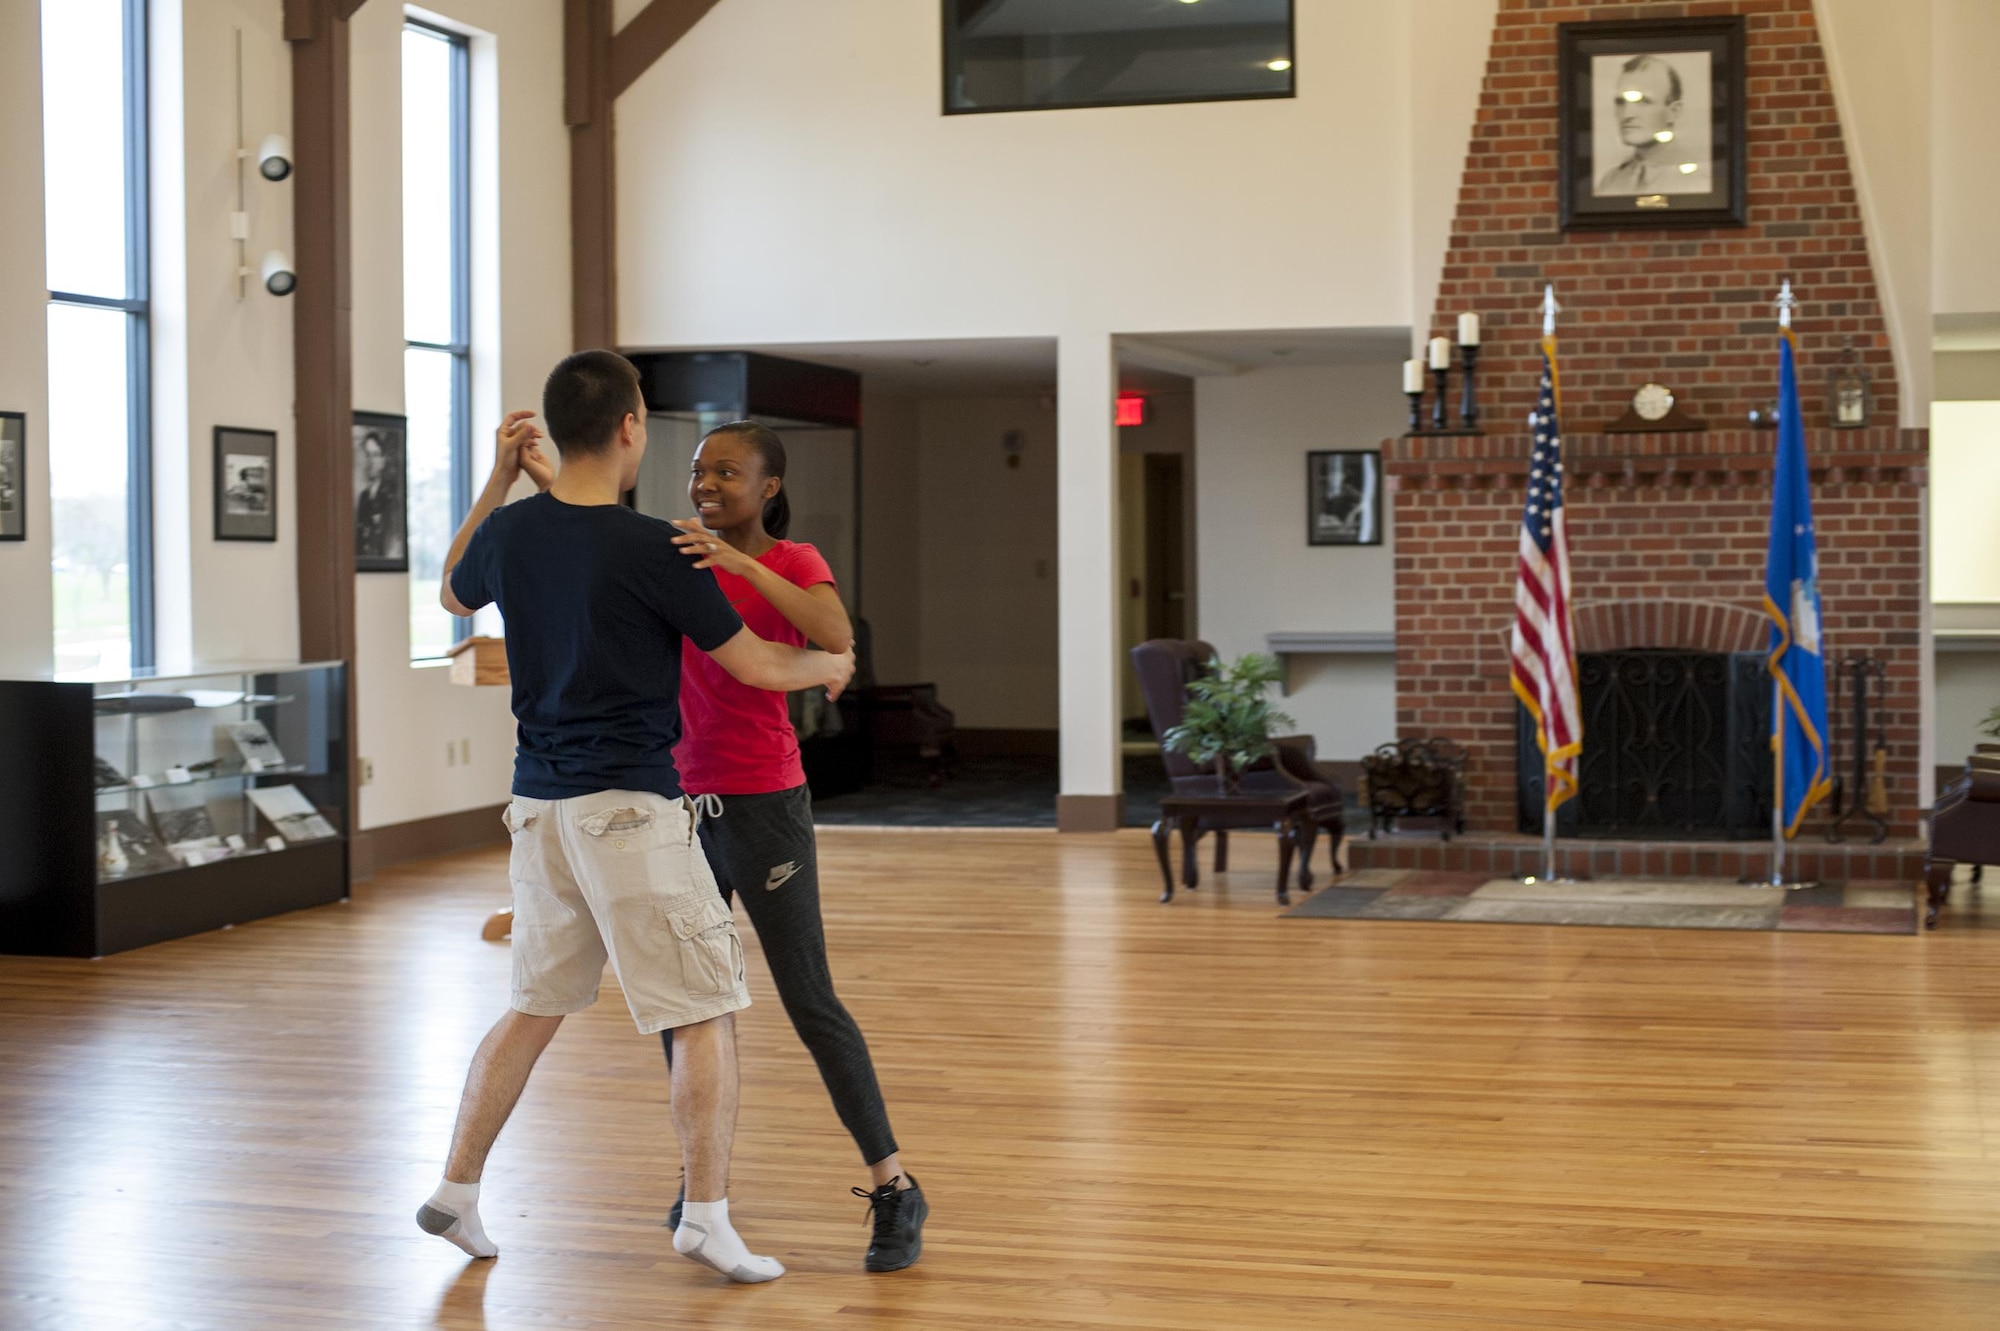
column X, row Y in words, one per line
column 597, row 600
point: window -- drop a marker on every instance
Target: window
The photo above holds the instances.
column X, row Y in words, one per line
column 437, row 317
column 1022, row 55
column 100, row 473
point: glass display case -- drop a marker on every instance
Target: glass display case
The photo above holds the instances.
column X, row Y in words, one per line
column 146, row 808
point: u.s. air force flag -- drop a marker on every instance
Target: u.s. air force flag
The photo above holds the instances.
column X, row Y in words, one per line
column 1791, row 599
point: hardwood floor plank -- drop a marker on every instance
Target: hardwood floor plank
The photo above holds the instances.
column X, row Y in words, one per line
column 1127, row 1116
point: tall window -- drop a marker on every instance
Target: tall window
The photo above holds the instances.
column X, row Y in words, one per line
column 100, row 475
column 437, row 316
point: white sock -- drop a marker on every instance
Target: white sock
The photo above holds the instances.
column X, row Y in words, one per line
column 453, row 1213
column 707, row 1236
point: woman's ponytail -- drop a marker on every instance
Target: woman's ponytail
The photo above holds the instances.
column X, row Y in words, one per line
column 778, row 516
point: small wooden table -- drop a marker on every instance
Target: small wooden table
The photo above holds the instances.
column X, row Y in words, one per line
column 1284, row 812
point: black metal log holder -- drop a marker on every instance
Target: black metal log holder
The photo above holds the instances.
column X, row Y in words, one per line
column 1851, row 795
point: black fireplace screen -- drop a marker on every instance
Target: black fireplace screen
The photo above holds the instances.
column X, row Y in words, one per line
column 1676, row 745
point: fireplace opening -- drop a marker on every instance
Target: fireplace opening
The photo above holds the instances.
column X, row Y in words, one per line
column 1676, row 745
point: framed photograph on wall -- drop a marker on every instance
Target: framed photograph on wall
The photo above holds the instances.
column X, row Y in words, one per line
column 13, row 476
column 1344, row 498
column 381, row 493
column 246, row 484
column 1652, row 123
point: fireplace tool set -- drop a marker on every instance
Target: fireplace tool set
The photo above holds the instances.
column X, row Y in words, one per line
column 1867, row 793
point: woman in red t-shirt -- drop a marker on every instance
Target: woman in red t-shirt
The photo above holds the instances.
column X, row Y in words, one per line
column 737, row 745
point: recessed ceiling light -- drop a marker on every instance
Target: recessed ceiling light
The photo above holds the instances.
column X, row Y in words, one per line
column 1278, row 66
column 1689, row 168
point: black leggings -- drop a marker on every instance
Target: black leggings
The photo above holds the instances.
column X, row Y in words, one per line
column 761, row 849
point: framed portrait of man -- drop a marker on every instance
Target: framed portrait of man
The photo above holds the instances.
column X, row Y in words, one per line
column 246, row 484
column 1344, row 498
column 13, row 476
column 381, row 508
column 1652, row 123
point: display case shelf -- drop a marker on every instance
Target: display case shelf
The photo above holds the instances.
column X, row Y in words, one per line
column 252, row 822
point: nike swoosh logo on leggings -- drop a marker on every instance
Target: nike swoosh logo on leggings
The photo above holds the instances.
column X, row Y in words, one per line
column 780, row 876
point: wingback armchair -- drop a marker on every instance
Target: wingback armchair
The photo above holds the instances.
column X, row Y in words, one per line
column 1166, row 666
column 1965, row 828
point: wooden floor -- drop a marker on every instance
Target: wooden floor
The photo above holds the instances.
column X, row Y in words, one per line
column 1126, row 1116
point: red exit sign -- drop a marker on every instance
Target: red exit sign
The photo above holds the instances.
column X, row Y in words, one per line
column 1131, row 409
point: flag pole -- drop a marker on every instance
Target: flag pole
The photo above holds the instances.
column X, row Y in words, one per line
column 1549, row 308
column 1777, row 788
column 1786, row 301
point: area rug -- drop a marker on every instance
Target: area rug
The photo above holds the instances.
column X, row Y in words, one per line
column 1633, row 903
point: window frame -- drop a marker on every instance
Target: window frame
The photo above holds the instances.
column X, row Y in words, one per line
column 459, row 348
column 949, row 38
column 137, row 307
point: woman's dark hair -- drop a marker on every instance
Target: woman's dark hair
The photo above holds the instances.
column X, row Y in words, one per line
column 771, row 453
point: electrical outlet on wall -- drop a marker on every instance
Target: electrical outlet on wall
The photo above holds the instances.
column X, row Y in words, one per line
column 465, row 752
column 451, row 753
column 367, row 771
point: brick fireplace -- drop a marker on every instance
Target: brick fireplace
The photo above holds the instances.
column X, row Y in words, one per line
column 1667, row 531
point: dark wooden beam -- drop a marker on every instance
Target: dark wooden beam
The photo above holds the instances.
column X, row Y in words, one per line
column 597, row 67
column 650, row 35
column 592, row 179
column 323, row 342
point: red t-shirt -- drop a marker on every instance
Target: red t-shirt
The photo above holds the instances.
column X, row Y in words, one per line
column 736, row 740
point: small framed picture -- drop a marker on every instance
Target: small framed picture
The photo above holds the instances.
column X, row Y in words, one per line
column 13, row 476
column 1344, row 498
column 246, row 484
column 381, row 509
column 1652, row 123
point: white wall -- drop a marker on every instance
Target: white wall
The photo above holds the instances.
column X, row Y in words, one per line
column 1258, row 575
column 1965, row 171
column 892, row 523
column 785, row 175
column 987, row 580
column 218, row 359
column 1968, row 687
column 1446, row 73
column 410, row 715
column 1880, row 58
column 27, row 597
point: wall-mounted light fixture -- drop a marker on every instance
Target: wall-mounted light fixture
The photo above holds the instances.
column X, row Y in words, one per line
column 277, row 275
column 274, row 163
column 274, row 155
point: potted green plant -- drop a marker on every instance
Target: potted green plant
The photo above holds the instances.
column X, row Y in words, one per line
column 1228, row 720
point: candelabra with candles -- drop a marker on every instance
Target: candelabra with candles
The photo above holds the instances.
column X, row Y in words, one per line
column 1437, row 359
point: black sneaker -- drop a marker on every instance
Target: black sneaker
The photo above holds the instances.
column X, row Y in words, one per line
column 680, row 1202
column 899, row 1225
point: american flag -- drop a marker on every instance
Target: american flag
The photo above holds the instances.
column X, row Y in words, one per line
column 1544, row 646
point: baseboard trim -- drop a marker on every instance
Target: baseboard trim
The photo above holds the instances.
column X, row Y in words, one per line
column 421, row 838
column 993, row 742
column 1090, row 813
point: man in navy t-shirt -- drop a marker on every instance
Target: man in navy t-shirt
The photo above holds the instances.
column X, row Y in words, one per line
column 606, row 865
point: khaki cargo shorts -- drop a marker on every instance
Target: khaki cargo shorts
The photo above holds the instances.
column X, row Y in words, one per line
column 619, row 875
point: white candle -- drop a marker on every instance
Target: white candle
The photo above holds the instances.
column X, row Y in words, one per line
column 1413, row 375
column 1468, row 330
column 1440, row 353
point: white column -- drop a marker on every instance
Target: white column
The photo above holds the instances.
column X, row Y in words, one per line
column 1087, row 582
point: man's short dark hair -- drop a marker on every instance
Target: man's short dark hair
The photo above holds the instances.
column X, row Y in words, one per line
column 587, row 397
